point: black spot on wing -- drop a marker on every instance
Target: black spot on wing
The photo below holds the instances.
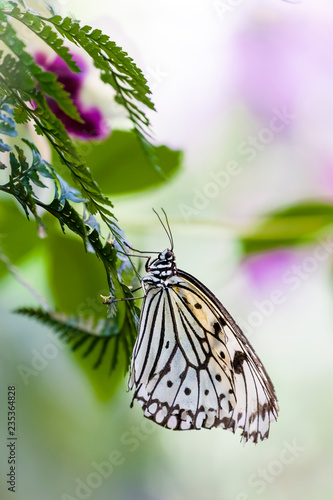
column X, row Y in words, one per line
column 222, row 321
column 238, row 361
column 217, row 328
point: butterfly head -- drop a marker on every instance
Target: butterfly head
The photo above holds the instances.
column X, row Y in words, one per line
column 167, row 255
column 164, row 266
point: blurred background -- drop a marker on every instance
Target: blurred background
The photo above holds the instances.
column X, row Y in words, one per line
column 244, row 89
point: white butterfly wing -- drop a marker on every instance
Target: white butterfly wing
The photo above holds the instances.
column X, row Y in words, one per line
column 192, row 366
column 256, row 400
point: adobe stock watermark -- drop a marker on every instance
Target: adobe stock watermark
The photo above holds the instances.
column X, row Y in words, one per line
column 260, row 480
column 249, row 150
column 130, row 441
column 40, row 359
column 224, row 7
column 156, row 76
column 291, row 281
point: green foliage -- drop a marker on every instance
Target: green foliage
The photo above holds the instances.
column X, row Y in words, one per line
column 24, row 176
column 292, row 226
column 16, row 237
column 130, row 170
column 82, row 211
column 34, row 21
column 25, row 85
column 47, row 81
column 17, row 95
column 117, row 69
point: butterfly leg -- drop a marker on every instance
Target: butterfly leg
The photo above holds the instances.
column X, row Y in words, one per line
column 138, row 251
column 111, row 301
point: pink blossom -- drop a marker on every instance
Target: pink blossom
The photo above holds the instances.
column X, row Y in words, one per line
column 93, row 124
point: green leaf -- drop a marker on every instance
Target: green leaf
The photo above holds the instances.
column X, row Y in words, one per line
column 14, row 164
column 21, row 114
column 77, row 279
column 288, row 227
column 22, row 159
column 18, row 236
column 120, row 165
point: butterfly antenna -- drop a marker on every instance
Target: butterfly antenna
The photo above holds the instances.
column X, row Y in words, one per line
column 170, row 232
column 166, row 228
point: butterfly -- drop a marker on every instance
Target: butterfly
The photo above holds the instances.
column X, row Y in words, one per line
column 192, row 367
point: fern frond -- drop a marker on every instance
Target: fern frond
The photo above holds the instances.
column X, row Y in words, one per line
column 25, row 89
column 34, row 22
column 46, row 123
column 46, row 81
column 117, row 69
column 87, row 341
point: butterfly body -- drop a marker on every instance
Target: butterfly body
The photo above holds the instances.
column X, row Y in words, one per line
column 192, row 367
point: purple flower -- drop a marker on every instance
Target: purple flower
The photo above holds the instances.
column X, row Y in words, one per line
column 93, row 125
column 283, row 61
column 267, row 270
column 268, row 66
